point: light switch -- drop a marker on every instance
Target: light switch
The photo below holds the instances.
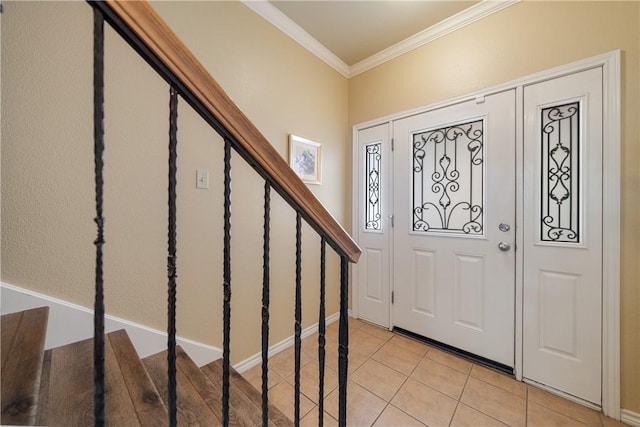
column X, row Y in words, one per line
column 202, row 178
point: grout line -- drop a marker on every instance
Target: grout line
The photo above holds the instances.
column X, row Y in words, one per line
column 383, row 409
column 564, row 414
column 500, row 388
column 483, row 412
column 549, row 408
column 406, row 413
column 459, row 398
column 402, row 385
column 388, row 402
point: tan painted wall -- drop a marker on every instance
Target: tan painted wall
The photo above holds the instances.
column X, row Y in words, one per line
column 47, row 168
column 520, row 40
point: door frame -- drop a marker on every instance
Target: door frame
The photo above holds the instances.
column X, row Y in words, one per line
column 610, row 64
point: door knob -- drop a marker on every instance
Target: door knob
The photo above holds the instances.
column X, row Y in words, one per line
column 504, row 227
column 504, row 246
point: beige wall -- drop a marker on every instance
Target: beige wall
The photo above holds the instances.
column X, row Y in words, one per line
column 47, row 169
column 520, row 40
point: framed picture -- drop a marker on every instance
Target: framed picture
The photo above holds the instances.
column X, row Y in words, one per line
column 305, row 158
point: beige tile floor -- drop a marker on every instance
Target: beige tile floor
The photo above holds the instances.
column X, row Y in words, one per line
column 396, row 381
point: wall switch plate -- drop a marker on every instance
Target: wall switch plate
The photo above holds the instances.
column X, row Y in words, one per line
column 202, row 178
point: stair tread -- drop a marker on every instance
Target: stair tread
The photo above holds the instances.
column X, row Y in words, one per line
column 147, row 401
column 131, row 399
column 41, row 418
column 244, row 398
column 197, row 400
column 23, row 337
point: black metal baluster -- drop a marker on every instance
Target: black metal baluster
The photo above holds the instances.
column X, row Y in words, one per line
column 226, row 312
column 321, row 333
column 265, row 304
column 98, row 148
column 171, row 259
column 298, row 317
column 343, row 342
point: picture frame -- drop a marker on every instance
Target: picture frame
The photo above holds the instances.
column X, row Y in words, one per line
column 305, row 158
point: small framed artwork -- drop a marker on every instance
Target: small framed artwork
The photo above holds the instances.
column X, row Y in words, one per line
column 305, row 158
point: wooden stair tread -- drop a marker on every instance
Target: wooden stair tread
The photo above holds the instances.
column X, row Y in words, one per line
column 41, row 418
column 55, row 387
column 145, row 396
column 197, row 399
column 23, row 337
column 131, row 399
column 244, row 399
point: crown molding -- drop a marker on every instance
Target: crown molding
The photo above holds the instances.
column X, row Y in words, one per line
column 293, row 30
column 281, row 21
column 478, row 11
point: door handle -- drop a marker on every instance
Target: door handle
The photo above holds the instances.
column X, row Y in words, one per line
column 504, row 246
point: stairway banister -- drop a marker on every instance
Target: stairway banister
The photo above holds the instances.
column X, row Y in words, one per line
column 145, row 23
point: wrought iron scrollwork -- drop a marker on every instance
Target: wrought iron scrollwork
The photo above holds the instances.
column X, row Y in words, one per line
column 448, row 179
column 560, row 171
column 373, row 214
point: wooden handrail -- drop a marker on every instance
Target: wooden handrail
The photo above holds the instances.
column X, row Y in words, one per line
column 154, row 32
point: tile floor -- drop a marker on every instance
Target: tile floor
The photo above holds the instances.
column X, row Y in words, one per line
column 396, row 381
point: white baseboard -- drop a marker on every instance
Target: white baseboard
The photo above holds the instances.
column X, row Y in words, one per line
column 70, row 323
column 256, row 359
column 630, row 417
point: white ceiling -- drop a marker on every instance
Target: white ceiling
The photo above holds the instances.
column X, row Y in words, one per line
column 353, row 36
column 355, row 30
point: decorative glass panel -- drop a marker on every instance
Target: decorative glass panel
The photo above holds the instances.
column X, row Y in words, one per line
column 373, row 215
column 448, row 179
column 560, row 174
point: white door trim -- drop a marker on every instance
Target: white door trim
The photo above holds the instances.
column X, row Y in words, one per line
column 610, row 63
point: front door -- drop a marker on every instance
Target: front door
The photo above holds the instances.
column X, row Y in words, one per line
column 454, row 241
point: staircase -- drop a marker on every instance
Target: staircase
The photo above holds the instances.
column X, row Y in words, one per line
column 103, row 381
column 55, row 387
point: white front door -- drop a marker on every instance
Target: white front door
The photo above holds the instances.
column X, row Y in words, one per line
column 562, row 312
column 373, row 154
column 454, row 205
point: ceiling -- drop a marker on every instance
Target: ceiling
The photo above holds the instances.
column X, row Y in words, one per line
column 354, row 36
column 355, row 30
